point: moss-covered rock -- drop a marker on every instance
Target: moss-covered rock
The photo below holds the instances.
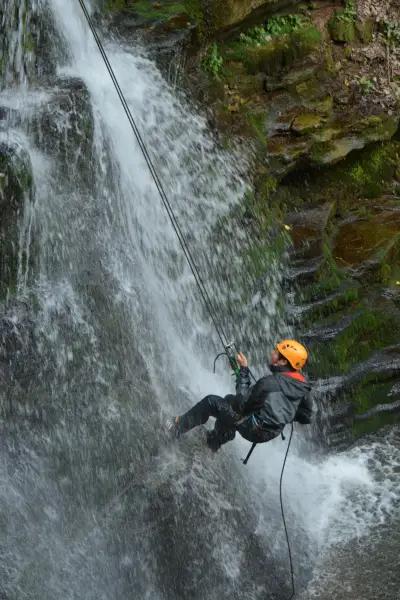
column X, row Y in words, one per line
column 352, row 134
column 307, row 122
column 365, row 30
column 370, row 243
column 342, row 30
column 279, row 53
column 212, row 16
column 372, row 328
column 342, row 25
column 222, row 14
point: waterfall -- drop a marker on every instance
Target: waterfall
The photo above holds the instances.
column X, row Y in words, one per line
column 94, row 500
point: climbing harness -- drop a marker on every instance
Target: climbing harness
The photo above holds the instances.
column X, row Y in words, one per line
column 229, row 348
column 246, row 460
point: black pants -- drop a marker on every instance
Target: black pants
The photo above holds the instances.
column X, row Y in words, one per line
column 226, row 423
column 210, row 406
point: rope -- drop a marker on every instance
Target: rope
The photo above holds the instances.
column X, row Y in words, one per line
column 284, row 520
column 175, row 224
column 186, row 250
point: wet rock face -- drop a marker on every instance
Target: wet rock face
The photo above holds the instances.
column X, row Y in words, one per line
column 222, row 14
column 189, row 23
column 300, row 91
column 28, row 48
column 314, row 94
column 16, row 188
column 63, row 128
column 17, row 348
column 348, row 307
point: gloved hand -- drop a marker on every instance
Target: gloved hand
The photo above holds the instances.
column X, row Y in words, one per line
column 241, row 360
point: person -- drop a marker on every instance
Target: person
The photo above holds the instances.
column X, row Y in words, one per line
column 258, row 412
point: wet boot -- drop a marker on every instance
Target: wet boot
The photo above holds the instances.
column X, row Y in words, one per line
column 217, row 437
column 213, row 441
column 172, row 427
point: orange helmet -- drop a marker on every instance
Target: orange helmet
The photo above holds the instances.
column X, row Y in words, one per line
column 294, row 353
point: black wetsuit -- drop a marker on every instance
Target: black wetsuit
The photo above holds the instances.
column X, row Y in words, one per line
column 259, row 412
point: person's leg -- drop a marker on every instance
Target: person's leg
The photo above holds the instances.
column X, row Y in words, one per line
column 221, row 434
column 210, row 406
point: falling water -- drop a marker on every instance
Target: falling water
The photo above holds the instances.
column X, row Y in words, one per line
column 95, row 502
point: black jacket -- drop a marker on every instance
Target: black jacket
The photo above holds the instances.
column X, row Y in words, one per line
column 275, row 400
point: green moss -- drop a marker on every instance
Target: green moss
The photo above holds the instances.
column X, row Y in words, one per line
column 351, row 136
column 307, row 122
column 330, row 276
column 389, row 257
column 371, row 425
column 368, row 176
column 342, row 25
column 264, row 253
column 213, row 62
column 276, row 53
column 257, row 126
column 391, row 31
column 345, row 297
column 268, row 187
column 275, row 27
column 368, row 394
column 195, row 11
column 342, row 31
column 115, row 5
column 151, row 10
column 365, row 30
column 369, row 331
column 363, row 174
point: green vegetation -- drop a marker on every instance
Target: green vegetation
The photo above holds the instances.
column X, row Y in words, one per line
column 285, row 24
column 289, row 90
column 371, row 425
column 391, row 32
column 275, row 53
column 267, row 188
column 329, row 277
column 349, row 13
column 264, row 253
column 157, row 10
column 366, row 85
column 369, row 175
column 115, row 5
column 371, row 392
column 275, row 26
column 213, row 62
column 369, row 331
column 255, row 37
column 257, row 125
column 365, row 173
column 195, row 11
column 342, row 26
column 150, row 10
